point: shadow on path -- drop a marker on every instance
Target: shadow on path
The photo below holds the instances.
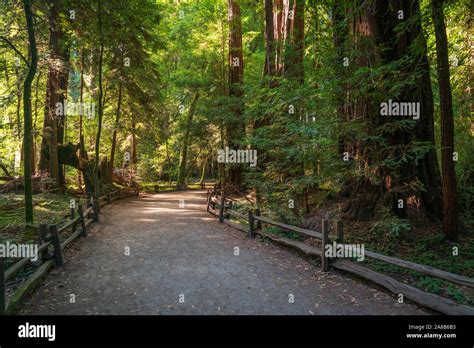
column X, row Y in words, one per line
column 182, row 253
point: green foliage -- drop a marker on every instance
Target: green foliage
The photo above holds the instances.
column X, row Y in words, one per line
column 426, row 283
column 391, row 225
column 282, row 233
column 48, row 208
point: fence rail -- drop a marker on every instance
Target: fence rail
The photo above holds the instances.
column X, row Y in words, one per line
column 167, row 188
column 78, row 220
column 218, row 205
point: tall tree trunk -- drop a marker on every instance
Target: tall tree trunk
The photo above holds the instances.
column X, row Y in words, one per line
column 181, row 184
column 450, row 213
column 235, row 131
column 294, row 69
column 225, row 91
column 18, row 101
column 378, row 42
column 35, row 127
column 203, row 170
column 294, row 51
column 81, row 94
column 58, row 74
column 134, row 142
column 27, row 134
column 46, row 136
column 280, row 13
column 270, row 47
column 81, row 100
column 100, row 111
column 340, row 35
column 116, row 124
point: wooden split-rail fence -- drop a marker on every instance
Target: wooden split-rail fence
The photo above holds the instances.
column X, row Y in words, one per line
column 169, row 188
column 51, row 248
column 221, row 207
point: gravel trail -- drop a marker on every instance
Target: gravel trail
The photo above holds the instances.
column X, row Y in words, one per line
column 152, row 255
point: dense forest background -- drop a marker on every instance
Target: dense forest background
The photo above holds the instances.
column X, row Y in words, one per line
column 165, row 85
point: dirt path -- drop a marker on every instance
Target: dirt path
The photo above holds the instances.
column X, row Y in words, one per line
column 182, row 253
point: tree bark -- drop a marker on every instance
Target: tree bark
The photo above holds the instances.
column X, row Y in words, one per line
column 35, row 128
column 280, row 13
column 134, row 156
column 27, row 134
column 235, row 131
column 116, row 124
column 58, row 74
column 203, row 171
column 181, row 184
column 81, row 93
column 18, row 103
column 270, row 47
column 450, row 213
column 340, row 35
column 81, row 100
column 100, row 110
column 377, row 42
column 294, row 50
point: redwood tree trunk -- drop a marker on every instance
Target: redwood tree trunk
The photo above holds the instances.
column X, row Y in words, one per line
column 270, row 47
column 236, row 126
column 340, row 35
column 117, row 119
column 27, row 132
column 33, row 144
column 294, row 51
column 378, row 42
column 81, row 100
column 100, row 111
column 58, row 73
column 450, row 214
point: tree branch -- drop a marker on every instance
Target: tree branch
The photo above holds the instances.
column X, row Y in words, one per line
column 15, row 49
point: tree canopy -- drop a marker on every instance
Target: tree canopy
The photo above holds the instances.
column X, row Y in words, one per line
column 363, row 105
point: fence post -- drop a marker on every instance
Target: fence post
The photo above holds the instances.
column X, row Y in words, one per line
column 96, row 210
column 73, row 215
column 259, row 223
column 251, row 224
column 209, row 195
column 58, row 256
column 43, row 232
column 2, row 286
column 82, row 221
column 109, row 199
column 324, row 241
column 339, row 231
column 221, row 208
column 227, row 215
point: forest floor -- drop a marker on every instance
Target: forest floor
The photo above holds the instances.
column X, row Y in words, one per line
column 154, row 255
column 424, row 245
column 49, row 208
